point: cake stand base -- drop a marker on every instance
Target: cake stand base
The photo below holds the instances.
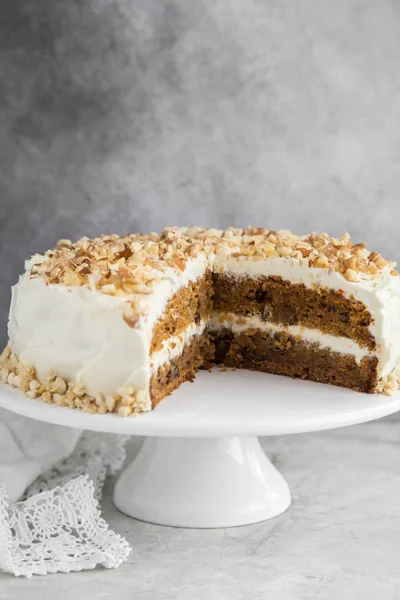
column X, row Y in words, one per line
column 201, row 482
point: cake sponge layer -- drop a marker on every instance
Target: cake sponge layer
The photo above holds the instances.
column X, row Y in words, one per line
column 282, row 354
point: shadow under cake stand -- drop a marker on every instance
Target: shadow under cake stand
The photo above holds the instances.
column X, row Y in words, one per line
column 202, row 464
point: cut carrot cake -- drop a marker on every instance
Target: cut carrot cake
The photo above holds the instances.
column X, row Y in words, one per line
column 115, row 324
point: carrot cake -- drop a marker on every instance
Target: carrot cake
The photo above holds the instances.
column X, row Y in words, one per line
column 115, row 324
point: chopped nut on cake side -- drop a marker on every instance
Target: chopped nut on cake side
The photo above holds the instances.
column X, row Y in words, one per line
column 127, row 401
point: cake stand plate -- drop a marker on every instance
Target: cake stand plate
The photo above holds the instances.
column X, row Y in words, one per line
column 202, row 464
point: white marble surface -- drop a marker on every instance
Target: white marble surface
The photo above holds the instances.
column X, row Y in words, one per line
column 340, row 538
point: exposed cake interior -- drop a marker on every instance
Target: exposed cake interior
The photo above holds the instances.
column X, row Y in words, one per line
column 116, row 324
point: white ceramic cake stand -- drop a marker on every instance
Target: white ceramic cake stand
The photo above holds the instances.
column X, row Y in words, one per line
column 202, row 464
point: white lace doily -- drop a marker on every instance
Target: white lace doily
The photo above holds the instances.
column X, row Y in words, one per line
column 59, row 530
column 57, row 527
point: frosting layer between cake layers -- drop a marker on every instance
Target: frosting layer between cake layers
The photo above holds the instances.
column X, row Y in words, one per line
column 239, row 324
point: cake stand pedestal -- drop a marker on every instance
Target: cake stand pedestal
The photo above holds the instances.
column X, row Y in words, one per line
column 202, row 464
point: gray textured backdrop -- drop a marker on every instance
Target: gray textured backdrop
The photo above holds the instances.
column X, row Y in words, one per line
column 130, row 115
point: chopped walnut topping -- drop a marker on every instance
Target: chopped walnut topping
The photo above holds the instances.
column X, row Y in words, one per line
column 128, row 265
column 339, row 255
column 133, row 264
column 350, row 275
